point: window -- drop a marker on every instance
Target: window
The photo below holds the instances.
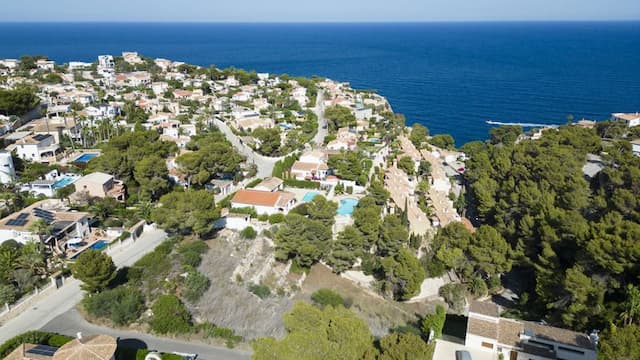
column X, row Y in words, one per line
column 570, row 350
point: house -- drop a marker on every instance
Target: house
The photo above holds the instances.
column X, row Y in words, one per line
column 97, row 347
column 132, row 58
column 271, row 184
column 9, row 63
column 630, row 119
column 309, row 170
column 37, row 148
column 164, row 64
column 635, row 147
column 339, row 144
column 524, row 340
column 362, row 112
column 101, row 185
column 253, row 123
column 219, row 186
column 264, row 202
column 44, row 64
column 64, row 224
column 106, row 64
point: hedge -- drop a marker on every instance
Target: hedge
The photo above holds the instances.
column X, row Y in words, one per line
column 303, row 184
column 33, row 337
column 253, row 184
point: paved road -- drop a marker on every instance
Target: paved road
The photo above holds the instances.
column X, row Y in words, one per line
column 322, row 122
column 70, row 294
column 264, row 163
column 71, row 322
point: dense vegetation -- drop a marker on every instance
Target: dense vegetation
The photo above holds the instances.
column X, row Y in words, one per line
column 575, row 237
column 333, row 332
column 18, row 101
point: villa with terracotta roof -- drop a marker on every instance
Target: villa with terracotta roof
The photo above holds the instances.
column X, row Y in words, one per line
column 631, row 119
column 264, row 202
column 525, row 340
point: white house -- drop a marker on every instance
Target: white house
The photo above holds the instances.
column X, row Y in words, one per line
column 270, row 184
column 65, row 224
column 9, row 63
column 264, row 202
column 520, row 340
column 43, row 64
column 635, row 147
column 37, row 148
column 106, row 64
column 630, row 119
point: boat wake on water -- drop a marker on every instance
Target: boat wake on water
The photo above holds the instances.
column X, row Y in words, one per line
column 519, row 124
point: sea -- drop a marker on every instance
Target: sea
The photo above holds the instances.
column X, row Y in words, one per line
column 451, row 77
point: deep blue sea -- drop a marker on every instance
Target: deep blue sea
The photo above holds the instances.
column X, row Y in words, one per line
column 451, row 77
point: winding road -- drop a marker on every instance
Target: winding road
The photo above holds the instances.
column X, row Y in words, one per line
column 322, row 122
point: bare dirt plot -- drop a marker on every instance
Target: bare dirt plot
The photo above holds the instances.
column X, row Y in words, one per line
column 380, row 314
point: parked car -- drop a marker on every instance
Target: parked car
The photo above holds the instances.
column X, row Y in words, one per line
column 463, row 355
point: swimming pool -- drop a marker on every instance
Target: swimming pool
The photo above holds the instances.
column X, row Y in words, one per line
column 63, row 182
column 346, row 206
column 309, row 196
column 85, row 157
column 99, row 245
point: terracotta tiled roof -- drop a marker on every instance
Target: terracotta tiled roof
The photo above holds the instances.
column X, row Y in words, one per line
column 261, row 198
column 99, row 347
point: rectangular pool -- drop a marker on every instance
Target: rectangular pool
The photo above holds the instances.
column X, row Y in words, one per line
column 99, row 245
column 63, row 182
column 346, row 206
column 85, row 157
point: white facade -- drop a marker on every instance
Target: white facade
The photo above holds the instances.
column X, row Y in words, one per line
column 7, row 170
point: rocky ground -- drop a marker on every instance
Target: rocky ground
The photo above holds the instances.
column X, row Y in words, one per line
column 232, row 264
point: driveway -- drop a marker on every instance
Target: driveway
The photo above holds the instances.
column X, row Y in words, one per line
column 71, row 322
column 65, row 298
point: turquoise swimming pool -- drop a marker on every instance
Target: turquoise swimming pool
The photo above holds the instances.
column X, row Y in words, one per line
column 309, row 196
column 99, row 245
column 63, row 182
column 85, row 157
column 346, row 206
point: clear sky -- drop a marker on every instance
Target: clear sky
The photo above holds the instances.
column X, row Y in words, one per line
column 317, row 10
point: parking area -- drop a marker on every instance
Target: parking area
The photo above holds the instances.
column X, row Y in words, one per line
column 446, row 350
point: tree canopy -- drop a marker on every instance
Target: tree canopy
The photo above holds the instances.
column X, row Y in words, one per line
column 95, row 269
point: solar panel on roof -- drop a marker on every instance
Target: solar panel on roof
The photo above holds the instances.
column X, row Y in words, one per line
column 44, row 214
column 11, row 223
column 20, row 222
column 42, row 350
column 22, row 216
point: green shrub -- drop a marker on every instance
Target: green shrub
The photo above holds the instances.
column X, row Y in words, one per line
column 454, row 295
column 434, row 322
column 210, row 330
column 276, row 219
column 261, row 291
column 302, row 184
column 170, row 316
column 254, row 183
column 263, row 217
column 33, row 337
column 191, row 253
column 8, row 294
column 245, row 210
column 248, row 233
column 324, row 297
column 195, row 285
column 122, row 305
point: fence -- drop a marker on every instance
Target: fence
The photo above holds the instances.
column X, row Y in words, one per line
column 12, row 309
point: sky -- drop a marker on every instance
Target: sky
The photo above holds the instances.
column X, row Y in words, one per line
column 318, row 10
